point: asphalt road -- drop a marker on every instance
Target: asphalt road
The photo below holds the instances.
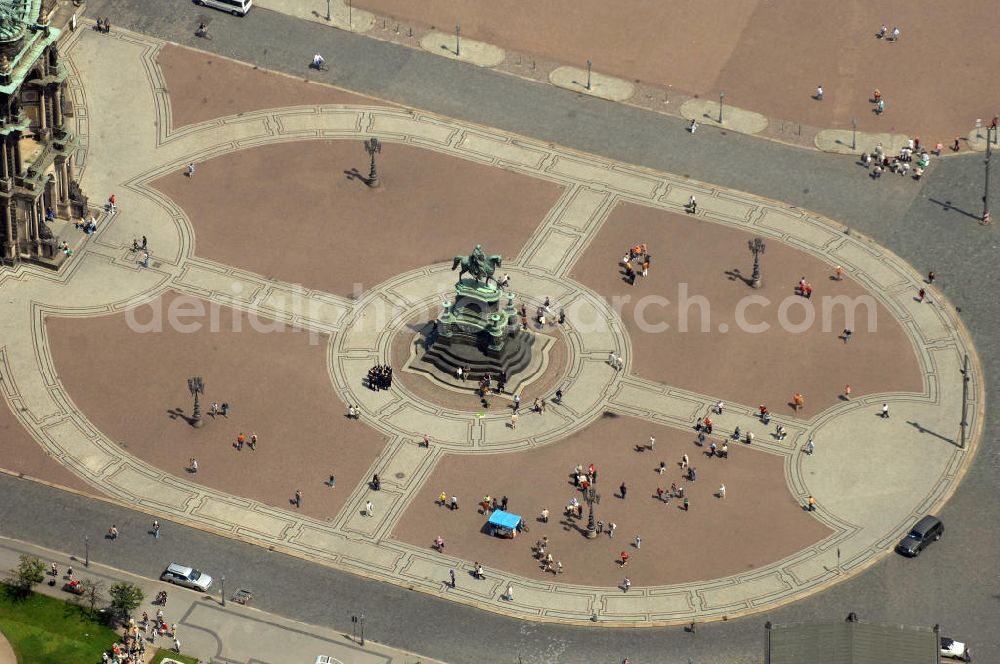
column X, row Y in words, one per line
column 931, row 224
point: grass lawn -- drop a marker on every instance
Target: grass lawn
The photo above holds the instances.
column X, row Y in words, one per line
column 43, row 630
column 167, row 654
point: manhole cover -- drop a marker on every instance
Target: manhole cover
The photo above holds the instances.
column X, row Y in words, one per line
column 400, row 476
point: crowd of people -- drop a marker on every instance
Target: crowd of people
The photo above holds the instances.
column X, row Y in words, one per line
column 380, row 377
column 635, row 261
column 878, row 162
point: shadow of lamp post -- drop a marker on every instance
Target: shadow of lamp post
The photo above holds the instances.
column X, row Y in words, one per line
column 591, row 496
column 197, row 386
column 756, row 247
column 373, row 146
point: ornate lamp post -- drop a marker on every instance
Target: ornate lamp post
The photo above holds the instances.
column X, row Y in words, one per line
column 985, row 219
column 591, row 496
column 373, row 146
column 756, row 247
column 197, row 386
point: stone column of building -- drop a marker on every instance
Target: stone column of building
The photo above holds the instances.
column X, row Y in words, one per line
column 9, row 248
column 57, row 116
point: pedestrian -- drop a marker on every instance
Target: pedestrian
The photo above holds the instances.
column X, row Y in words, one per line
column 145, row 259
column 503, row 504
column 562, row 317
column 611, row 529
column 156, row 529
column 454, row 503
column 452, row 573
column 240, row 439
column 113, row 532
column 369, row 508
column 847, row 392
column 626, row 584
column 686, row 504
column 253, row 441
column 954, row 147
column 112, row 204
column 799, row 401
column 921, row 294
column 684, row 461
column 846, row 336
column 214, row 409
column 885, row 411
column 638, row 541
column 619, row 362
column 513, row 420
column 190, row 170
column 810, row 446
column 895, row 34
column 652, row 443
column 193, row 465
column 718, row 407
column 509, row 595
column 622, row 489
column 177, row 646
column 750, row 437
column 545, row 515
column 811, row 504
column 692, row 204
column 930, row 277
column 693, row 127
column 722, row 491
column 517, row 402
column 882, row 31
column 839, row 272
column 225, row 409
column 298, row 498
column 819, row 93
column 559, row 394
column 624, row 558
column 144, row 243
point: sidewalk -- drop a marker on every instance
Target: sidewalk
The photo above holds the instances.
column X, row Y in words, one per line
column 215, row 633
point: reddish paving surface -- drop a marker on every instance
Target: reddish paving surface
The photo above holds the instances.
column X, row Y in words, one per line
column 422, row 387
column 204, row 87
column 338, row 235
column 737, row 366
column 129, row 384
column 21, row 454
column 767, row 56
column 716, row 538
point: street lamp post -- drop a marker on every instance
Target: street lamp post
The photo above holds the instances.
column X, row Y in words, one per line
column 197, row 386
column 590, row 66
column 965, row 401
column 986, row 187
column 86, row 548
column 373, row 146
column 722, row 97
column 223, row 579
column 458, row 41
column 591, row 496
column 854, row 133
column 328, row 10
column 756, row 247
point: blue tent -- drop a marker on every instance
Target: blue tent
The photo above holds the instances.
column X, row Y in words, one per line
column 504, row 521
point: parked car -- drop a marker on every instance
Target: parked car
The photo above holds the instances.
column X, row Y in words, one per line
column 953, row 649
column 189, row 577
column 928, row 529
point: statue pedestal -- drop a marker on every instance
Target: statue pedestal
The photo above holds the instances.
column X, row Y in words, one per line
column 480, row 331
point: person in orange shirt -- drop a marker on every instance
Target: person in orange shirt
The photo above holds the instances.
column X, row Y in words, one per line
column 240, row 439
column 799, row 401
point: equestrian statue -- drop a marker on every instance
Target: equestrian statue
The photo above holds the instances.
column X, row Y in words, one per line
column 478, row 264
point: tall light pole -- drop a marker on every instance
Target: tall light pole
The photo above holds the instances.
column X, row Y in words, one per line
column 458, row 41
column 223, row 590
column 854, row 133
column 328, row 10
column 590, row 66
column 986, row 187
column 591, row 496
column 756, row 247
column 86, row 548
column 373, row 146
column 196, row 386
column 722, row 97
column 965, row 400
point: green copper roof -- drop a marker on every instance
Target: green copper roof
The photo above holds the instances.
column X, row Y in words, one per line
column 16, row 16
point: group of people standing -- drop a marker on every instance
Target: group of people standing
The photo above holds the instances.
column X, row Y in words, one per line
column 380, row 377
column 636, row 261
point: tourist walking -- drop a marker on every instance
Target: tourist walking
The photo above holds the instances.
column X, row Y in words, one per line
column 885, row 411
column 298, row 498
column 810, row 446
column 622, row 489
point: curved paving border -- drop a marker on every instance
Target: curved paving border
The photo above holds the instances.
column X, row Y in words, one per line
column 104, row 279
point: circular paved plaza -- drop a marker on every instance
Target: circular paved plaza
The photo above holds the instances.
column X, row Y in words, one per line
column 280, row 278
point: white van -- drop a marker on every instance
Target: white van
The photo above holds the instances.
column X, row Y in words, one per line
column 234, row 7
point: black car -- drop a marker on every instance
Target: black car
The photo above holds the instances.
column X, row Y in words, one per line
column 928, row 529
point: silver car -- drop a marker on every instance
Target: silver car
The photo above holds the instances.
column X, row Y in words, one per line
column 186, row 576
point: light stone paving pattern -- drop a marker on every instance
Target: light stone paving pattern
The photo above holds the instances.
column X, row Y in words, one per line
column 865, row 514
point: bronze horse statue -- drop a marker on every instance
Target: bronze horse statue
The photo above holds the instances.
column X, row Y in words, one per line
column 478, row 264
